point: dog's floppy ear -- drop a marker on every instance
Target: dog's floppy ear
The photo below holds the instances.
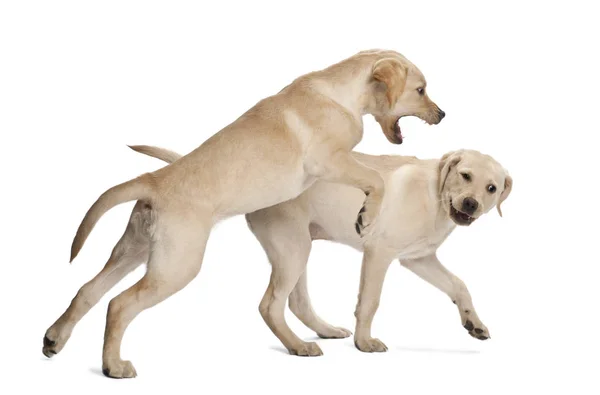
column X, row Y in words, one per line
column 508, row 183
column 393, row 74
column 448, row 161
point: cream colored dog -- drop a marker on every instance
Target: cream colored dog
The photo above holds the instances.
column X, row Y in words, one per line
column 272, row 153
column 424, row 201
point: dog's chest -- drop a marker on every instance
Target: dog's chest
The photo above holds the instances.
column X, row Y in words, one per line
column 420, row 244
column 413, row 224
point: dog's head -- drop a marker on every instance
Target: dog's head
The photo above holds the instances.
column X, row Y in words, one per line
column 471, row 184
column 401, row 90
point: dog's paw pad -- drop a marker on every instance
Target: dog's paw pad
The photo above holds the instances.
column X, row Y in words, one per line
column 50, row 347
column 367, row 215
column 468, row 325
column 48, row 342
column 362, row 222
column 478, row 331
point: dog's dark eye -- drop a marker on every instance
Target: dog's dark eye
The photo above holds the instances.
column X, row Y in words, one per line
column 491, row 188
column 466, row 176
column 421, row 90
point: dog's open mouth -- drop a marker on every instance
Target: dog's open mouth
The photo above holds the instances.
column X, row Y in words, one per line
column 459, row 217
column 391, row 128
column 397, row 131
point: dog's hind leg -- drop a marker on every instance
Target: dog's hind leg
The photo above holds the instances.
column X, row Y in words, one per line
column 129, row 253
column 301, row 306
column 286, row 270
column 284, row 235
column 287, row 248
column 177, row 249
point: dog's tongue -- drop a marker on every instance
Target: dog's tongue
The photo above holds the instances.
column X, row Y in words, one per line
column 397, row 131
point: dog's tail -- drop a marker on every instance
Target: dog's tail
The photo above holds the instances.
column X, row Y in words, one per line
column 141, row 187
column 156, row 152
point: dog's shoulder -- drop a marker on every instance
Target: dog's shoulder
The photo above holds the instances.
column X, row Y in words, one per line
column 410, row 209
column 411, row 176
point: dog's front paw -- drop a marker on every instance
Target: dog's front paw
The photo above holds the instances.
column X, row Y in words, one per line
column 477, row 329
column 118, row 369
column 307, row 350
column 367, row 215
column 370, row 345
column 54, row 340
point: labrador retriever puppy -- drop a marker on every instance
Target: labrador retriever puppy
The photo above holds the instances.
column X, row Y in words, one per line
column 270, row 154
column 424, row 202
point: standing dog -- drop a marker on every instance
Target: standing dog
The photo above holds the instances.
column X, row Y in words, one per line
column 424, row 202
column 272, row 153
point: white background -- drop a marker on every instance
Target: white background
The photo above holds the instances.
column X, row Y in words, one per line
column 80, row 80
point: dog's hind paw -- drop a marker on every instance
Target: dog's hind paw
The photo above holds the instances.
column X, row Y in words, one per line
column 334, row 333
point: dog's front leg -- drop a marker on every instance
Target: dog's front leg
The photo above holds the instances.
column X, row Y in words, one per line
column 342, row 168
column 374, row 267
column 431, row 270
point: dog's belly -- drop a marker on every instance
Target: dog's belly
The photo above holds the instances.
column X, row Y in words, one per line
column 267, row 192
column 283, row 190
column 268, row 186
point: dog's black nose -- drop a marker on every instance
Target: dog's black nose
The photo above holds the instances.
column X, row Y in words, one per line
column 441, row 114
column 469, row 205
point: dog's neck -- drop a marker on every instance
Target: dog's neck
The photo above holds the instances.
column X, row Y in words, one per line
column 349, row 88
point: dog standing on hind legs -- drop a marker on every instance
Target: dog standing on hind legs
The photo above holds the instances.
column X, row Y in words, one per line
column 270, row 154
